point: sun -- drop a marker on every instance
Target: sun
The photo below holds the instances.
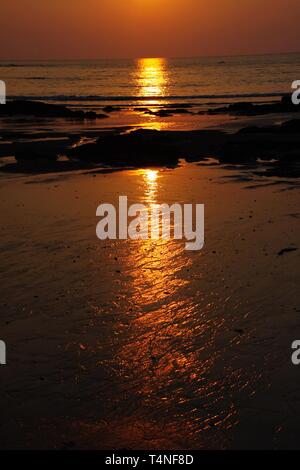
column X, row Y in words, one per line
column 151, row 175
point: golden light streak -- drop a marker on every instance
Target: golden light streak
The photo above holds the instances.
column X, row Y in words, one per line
column 152, row 80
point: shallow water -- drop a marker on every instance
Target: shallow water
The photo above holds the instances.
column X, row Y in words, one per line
column 141, row 344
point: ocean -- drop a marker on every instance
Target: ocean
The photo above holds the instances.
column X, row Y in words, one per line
column 143, row 82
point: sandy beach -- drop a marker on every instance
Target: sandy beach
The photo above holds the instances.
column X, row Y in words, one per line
column 150, row 233
column 141, row 344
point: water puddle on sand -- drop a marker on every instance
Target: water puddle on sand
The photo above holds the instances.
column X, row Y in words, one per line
column 141, row 344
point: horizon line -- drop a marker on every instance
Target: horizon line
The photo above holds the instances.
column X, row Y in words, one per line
column 151, row 57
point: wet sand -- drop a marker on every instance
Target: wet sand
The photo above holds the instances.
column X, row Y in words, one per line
column 141, row 344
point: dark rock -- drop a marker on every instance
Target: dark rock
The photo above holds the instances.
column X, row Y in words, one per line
column 286, row 100
column 257, row 130
column 140, row 148
column 91, row 115
column 243, row 107
column 162, row 113
column 180, row 111
column 141, row 109
column 39, row 154
column 285, row 105
column 34, row 159
column 167, row 112
column 235, row 152
column 43, row 110
column 109, row 109
column 179, row 105
column 240, row 331
column 266, row 143
column 286, row 250
column 292, row 126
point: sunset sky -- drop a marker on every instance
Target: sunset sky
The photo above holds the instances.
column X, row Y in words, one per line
column 74, row 29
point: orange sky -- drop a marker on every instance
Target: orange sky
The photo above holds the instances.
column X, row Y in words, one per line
column 70, row 29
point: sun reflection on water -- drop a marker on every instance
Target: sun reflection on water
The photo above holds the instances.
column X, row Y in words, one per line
column 151, row 175
column 153, row 266
column 150, row 179
column 169, row 350
column 152, row 81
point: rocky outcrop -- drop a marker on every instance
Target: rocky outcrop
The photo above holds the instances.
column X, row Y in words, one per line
column 251, row 109
column 138, row 149
column 44, row 110
column 278, row 145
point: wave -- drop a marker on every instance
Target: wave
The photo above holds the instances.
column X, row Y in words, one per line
column 80, row 98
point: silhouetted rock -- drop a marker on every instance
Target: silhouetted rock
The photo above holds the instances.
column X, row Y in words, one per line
column 39, row 153
column 90, row 115
column 162, row 113
column 287, row 127
column 236, row 152
column 286, row 250
column 257, row 130
column 291, row 127
column 244, row 107
column 44, row 110
column 167, row 112
column 141, row 109
column 34, row 159
column 110, row 109
column 180, row 111
column 285, row 105
column 278, row 144
column 179, row 105
column 140, row 148
column 286, row 100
